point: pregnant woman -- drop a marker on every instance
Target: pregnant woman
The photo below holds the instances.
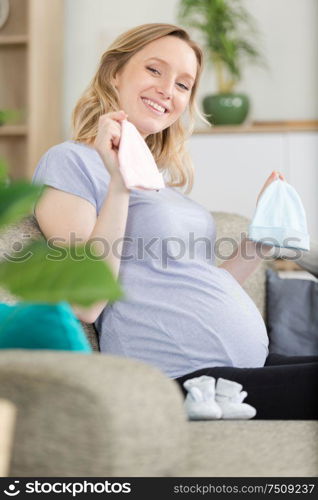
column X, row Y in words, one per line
column 180, row 312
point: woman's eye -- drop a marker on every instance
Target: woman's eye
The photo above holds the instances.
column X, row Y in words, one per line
column 181, row 84
column 153, row 70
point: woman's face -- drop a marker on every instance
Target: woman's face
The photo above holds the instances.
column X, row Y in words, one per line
column 162, row 74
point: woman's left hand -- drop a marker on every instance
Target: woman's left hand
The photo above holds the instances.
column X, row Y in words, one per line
column 273, row 177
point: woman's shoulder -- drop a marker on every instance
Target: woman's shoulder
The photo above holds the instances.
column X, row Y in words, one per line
column 71, row 160
column 75, row 168
column 73, row 156
column 73, row 149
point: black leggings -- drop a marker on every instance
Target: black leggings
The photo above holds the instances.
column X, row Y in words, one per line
column 285, row 388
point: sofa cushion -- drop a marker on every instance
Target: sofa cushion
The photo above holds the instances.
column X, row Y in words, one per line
column 292, row 315
column 91, row 335
column 41, row 326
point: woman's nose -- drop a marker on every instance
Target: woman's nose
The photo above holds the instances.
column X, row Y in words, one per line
column 166, row 89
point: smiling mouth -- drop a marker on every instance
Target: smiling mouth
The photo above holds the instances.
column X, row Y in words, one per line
column 156, row 111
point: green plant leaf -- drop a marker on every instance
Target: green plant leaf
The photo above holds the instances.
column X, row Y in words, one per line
column 4, row 173
column 43, row 273
column 17, row 200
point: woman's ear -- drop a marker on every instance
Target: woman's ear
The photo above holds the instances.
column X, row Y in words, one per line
column 114, row 80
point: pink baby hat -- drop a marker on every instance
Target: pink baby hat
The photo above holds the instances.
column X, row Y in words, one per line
column 136, row 163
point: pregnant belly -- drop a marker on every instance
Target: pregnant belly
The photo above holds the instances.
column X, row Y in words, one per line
column 239, row 323
column 201, row 318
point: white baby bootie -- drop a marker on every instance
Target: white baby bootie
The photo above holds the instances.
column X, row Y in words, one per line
column 200, row 401
column 229, row 397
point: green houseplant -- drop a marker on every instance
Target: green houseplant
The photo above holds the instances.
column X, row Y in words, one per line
column 229, row 37
column 45, row 273
column 10, row 116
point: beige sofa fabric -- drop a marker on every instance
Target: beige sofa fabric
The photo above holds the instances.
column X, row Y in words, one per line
column 254, row 448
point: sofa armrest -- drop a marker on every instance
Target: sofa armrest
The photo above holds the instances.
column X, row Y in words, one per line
column 309, row 260
column 92, row 415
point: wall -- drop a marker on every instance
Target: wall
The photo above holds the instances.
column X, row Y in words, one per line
column 287, row 91
column 231, row 169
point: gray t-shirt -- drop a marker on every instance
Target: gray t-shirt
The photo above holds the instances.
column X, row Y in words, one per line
column 180, row 311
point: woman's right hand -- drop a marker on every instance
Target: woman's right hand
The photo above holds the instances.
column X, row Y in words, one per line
column 108, row 138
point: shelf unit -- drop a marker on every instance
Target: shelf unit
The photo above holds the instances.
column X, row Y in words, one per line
column 14, row 40
column 31, row 64
column 261, row 127
column 13, row 130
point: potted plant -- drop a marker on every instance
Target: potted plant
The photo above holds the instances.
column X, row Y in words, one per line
column 229, row 37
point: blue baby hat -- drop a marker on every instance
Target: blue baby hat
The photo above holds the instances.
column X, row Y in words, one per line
column 280, row 218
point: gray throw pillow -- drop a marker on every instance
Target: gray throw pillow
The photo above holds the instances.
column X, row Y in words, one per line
column 291, row 315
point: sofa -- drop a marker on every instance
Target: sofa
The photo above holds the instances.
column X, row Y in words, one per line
column 98, row 415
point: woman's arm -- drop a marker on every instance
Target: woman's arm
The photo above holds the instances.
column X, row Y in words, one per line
column 63, row 215
column 245, row 259
column 108, row 235
column 249, row 254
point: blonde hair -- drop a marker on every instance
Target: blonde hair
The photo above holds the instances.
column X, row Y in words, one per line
column 168, row 145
